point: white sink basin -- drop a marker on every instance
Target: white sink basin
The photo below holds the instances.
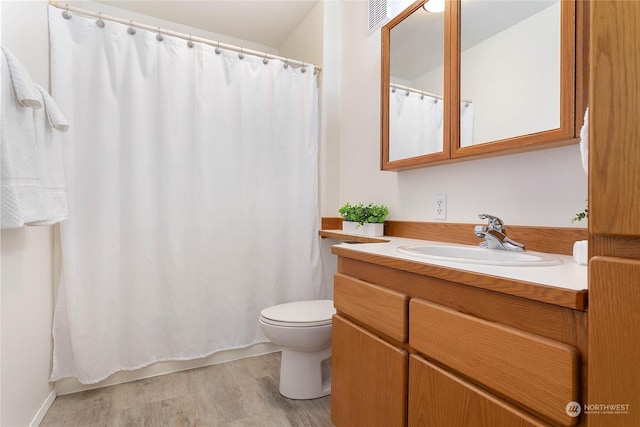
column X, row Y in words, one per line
column 478, row 255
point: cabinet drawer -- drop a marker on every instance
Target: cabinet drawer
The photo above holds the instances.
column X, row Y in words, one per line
column 438, row 398
column 382, row 309
column 537, row 372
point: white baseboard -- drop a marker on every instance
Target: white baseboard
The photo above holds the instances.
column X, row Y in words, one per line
column 71, row 385
column 42, row 411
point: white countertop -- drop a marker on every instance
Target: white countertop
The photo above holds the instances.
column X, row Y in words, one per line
column 567, row 275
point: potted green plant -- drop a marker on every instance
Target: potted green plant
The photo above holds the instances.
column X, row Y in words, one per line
column 363, row 220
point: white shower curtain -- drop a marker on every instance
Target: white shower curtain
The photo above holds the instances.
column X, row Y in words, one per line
column 415, row 124
column 193, row 197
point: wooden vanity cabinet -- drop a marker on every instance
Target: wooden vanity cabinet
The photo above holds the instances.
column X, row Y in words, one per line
column 412, row 350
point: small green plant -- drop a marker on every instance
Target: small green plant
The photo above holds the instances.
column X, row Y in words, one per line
column 364, row 214
column 581, row 215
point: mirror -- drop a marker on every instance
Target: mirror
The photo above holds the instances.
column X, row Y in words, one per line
column 416, row 83
column 503, row 76
column 514, row 94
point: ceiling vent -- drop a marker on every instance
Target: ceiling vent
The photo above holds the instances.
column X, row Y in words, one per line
column 379, row 14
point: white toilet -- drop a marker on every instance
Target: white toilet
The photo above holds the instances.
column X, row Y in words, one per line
column 303, row 330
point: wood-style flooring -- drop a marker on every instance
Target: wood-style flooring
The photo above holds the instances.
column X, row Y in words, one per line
column 242, row 393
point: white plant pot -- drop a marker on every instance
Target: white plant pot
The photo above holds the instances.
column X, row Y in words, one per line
column 367, row 229
column 349, row 227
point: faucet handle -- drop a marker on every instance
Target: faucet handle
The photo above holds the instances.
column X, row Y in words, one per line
column 495, row 223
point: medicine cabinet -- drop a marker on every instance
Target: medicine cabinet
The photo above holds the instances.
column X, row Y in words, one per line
column 481, row 78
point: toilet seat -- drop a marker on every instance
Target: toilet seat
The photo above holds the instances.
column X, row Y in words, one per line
column 299, row 314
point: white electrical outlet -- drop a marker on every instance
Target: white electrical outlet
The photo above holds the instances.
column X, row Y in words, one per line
column 440, row 206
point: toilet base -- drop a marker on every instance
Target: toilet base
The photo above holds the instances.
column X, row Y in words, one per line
column 301, row 374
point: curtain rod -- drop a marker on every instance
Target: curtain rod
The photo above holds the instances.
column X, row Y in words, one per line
column 421, row 92
column 66, row 9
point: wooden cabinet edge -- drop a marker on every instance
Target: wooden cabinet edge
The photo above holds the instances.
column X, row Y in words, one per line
column 346, row 237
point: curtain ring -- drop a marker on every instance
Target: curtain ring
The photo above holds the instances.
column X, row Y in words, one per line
column 241, row 54
column 131, row 30
column 265, row 61
column 66, row 14
column 315, row 70
column 100, row 22
column 218, row 50
column 190, row 42
column 286, row 63
column 407, row 94
column 421, row 96
column 393, row 90
column 304, row 68
column 159, row 36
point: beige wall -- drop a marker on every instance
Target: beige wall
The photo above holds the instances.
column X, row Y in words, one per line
column 305, row 43
column 544, row 188
column 26, row 298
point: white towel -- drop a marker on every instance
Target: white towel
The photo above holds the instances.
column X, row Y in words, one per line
column 22, row 194
column 54, row 115
column 25, row 92
column 47, row 122
column 31, row 171
column 584, row 142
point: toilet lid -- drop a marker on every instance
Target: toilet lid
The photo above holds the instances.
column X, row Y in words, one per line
column 301, row 313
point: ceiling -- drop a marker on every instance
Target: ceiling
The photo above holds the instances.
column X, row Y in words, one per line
column 266, row 22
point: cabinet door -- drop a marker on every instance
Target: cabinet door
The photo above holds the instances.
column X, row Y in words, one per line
column 614, row 344
column 368, row 378
column 438, row 398
column 614, row 185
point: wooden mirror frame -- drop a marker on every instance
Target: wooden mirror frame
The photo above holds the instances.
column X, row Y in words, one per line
column 574, row 18
column 427, row 159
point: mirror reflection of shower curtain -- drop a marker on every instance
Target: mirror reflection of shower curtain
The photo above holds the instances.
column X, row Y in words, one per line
column 467, row 112
column 415, row 125
column 192, row 180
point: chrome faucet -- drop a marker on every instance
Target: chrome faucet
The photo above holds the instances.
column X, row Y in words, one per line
column 494, row 235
